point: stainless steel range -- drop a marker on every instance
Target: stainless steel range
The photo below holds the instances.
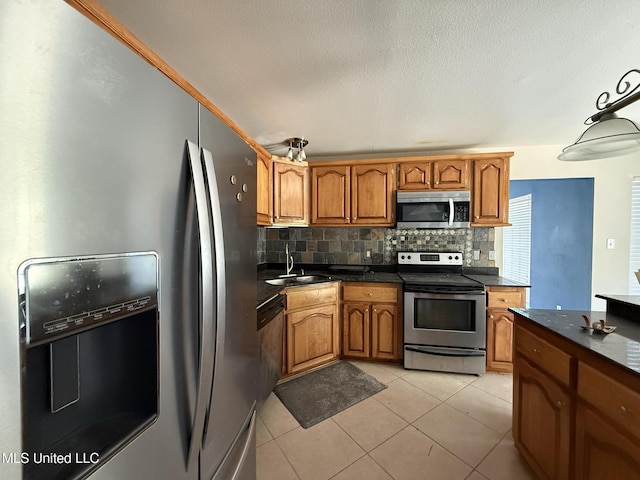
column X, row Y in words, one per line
column 444, row 314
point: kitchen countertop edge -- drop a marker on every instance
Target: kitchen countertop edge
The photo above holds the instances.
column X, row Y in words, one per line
column 621, row 347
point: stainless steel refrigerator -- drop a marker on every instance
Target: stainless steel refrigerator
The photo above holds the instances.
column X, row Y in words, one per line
column 127, row 264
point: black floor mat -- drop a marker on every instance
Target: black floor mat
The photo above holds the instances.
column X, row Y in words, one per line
column 322, row 393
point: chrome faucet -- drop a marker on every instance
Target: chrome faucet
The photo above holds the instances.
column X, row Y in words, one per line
column 288, row 259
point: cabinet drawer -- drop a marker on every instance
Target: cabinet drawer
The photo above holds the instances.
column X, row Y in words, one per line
column 504, row 298
column 369, row 293
column 299, row 297
column 610, row 397
column 554, row 361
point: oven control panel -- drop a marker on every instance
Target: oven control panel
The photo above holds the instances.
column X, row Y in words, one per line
column 430, row 258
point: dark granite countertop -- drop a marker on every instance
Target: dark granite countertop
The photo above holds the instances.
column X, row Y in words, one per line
column 495, row 281
column 266, row 291
column 621, row 346
column 632, row 300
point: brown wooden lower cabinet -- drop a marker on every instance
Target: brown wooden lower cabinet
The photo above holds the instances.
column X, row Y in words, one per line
column 500, row 326
column 602, row 449
column 575, row 415
column 312, row 326
column 371, row 330
column 541, row 420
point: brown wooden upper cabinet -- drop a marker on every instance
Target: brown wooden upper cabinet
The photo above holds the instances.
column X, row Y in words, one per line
column 360, row 194
column 331, row 195
column 290, row 194
column 490, row 192
column 264, row 190
column 445, row 174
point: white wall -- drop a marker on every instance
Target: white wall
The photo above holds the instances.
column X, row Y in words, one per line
column 612, row 204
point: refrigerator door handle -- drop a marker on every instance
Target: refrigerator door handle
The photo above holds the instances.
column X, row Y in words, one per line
column 219, row 254
column 245, row 449
column 205, row 376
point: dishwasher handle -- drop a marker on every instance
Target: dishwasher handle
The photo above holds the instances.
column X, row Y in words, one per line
column 270, row 310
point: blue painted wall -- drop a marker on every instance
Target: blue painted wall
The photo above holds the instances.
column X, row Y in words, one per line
column 561, row 241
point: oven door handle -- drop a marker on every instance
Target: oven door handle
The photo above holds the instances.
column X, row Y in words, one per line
column 457, row 353
column 450, row 211
column 443, row 290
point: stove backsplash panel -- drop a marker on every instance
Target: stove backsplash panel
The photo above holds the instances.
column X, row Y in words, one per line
column 370, row 246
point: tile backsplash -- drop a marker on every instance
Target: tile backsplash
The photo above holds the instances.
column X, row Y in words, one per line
column 370, row 246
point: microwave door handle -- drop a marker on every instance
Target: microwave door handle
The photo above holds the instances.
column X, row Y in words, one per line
column 450, row 211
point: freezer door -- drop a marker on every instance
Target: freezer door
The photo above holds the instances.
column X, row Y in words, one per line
column 93, row 162
column 230, row 169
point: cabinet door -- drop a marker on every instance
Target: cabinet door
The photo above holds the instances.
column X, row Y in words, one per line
column 451, row 174
column 499, row 340
column 372, row 194
column 543, row 437
column 330, row 195
column 290, row 194
column 602, row 451
column 490, row 199
column 264, row 190
column 356, row 321
column 312, row 337
column 415, row 176
column 384, row 331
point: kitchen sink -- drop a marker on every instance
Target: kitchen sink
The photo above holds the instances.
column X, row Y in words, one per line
column 298, row 280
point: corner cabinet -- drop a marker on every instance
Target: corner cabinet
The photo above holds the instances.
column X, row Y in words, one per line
column 264, row 190
column 371, row 321
column 490, row 192
column 290, row 194
column 312, row 326
column 360, row 194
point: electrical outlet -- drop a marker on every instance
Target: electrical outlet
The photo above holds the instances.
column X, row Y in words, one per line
column 492, row 254
column 611, row 243
column 476, row 254
column 368, row 253
column 558, row 307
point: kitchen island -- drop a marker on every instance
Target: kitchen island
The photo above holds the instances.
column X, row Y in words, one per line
column 576, row 404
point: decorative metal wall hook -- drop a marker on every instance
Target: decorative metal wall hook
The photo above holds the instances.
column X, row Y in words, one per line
column 629, row 91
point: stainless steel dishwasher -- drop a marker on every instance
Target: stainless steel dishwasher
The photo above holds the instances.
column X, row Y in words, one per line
column 271, row 337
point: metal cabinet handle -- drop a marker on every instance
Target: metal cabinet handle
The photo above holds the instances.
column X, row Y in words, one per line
column 624, row 410
column 370, row 294
column 505, row 299
column 560, row 403
column 535, row 350
column 491, row 317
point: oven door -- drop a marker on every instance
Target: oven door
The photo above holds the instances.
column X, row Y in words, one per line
column 445, row 319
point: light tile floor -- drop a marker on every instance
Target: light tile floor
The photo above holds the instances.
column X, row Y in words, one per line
column 425, row 425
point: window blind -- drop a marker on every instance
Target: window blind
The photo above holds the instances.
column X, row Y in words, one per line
column 634, row 241
column 516, row 249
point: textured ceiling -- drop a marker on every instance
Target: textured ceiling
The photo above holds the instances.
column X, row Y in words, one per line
column 379, row 76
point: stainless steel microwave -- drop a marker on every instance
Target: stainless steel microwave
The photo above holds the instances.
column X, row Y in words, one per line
column 433, row 209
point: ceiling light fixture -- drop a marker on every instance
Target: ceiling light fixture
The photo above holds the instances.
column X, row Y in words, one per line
column 608, row 136
column 299, row 143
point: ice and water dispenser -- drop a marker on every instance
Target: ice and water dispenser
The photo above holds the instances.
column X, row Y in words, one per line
column 89, row 359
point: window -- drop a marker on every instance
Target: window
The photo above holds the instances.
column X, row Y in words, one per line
column 516, row 259
column 634, row 241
